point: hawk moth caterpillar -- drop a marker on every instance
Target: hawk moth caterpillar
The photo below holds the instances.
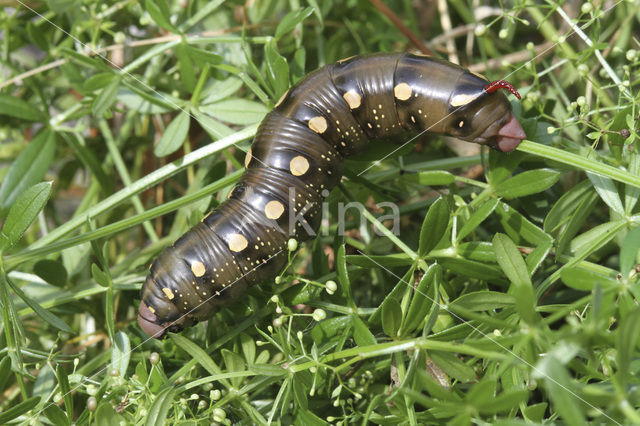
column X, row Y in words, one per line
column 297, row 157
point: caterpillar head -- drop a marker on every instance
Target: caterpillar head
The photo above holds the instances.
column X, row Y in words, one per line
column 482, row 114
column 151, row 325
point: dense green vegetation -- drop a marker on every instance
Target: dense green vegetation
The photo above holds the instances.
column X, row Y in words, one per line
column 510, row 295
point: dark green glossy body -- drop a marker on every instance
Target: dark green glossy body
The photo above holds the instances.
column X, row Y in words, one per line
column 295, row 159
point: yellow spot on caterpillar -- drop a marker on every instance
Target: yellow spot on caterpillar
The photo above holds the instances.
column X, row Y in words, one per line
column 318, row 124
column 353, row 99
column 237, row 242
column 298, row 165
column 461, row 123
column 247, row 158
column 273, row 209
column 153, row 311
column 402, row 91
column 284, row 95
column 198, row 268
column 167, row 292
column 462, row 99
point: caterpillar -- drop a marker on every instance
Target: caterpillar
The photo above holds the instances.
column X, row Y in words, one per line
column 297, row 157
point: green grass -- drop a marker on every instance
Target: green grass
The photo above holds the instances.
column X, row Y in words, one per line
column 510, row 295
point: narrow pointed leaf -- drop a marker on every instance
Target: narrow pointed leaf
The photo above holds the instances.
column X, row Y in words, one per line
column 25, row 210
column 173, row 136
column 434, row 226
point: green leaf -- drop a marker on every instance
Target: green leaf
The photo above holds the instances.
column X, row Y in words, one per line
column 308, row 418
column 576, row 221
column 361, row 333
column 47, row 316
column 99, row 276
column 187, row 73
column 65, row 389
column 203, row 57
column 483, row 392
column 219, row 90
column 562, row 210
column 423, row 299
column 325, row 330
column 268, row 370
column 248, row 348
column 483, row 301
column 121, row 353
column 501, row 166
column 233, row 363
column 430, row 178
column 626, row 342
column 107, row 416
column 434, row 226
column 85, row 60
column 535, row 412
column 300, row 390
column 157, row 415
column 537, row 255
column 391, row 317
column 477, row 218
column 400, row 288
column 19, row 409
column 374, row 261
column 98, row 81
column 18, row 108
column 504, row 401
column 471, row 268
column 277, row 69
column 173, row 136
column 291, row 19
column 520, row 228
column 343, row 276
column 105, row 98
column 453, row 366
column 60, row 6
column 597, row 236
column 213, row 127
column 38, row 36
column 159, row 12
column 51, row 271
column 236, row 111
column 515, row 269
column 24, row 211
column 479, row 251
column 527, row 183
column 56, row 415
column 5, row 371
column 148, row 103
column 586, row 280
column 28, row 168
column 560, row 389
column 607, row 191
column 196, row 352
column 629, row 252
column 631, row 193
